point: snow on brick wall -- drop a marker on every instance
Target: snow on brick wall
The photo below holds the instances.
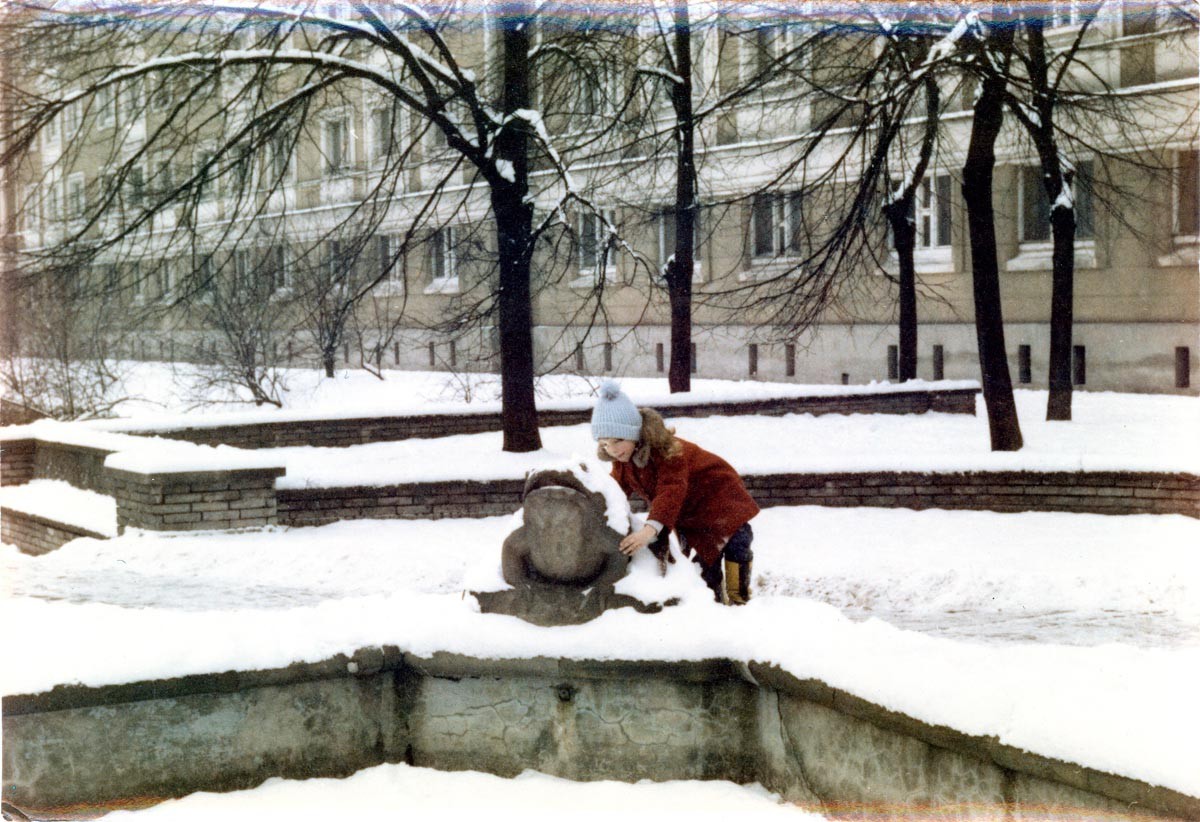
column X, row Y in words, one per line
column 342, row 432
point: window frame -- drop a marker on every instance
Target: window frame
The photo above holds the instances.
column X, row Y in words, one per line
column 604, row 247
column 1022, row 193
column 76, row 195
column 443, row 254
column 345, row 166
column 787, row 214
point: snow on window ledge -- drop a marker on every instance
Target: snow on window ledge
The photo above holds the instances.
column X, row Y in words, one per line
column 589, row 278
column 1185, row 251
column 391, row 288
column 764, row 268
column 1040, row 256
column 443, row 285
column 938, row 260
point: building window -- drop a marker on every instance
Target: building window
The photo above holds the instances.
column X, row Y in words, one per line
column 204, row 171
column 601, row 90
column 776, row 46
column 1079, row 365
column 933, row 212
column 160, row 174
column 383, row 123
column 242, row 270
column 443, row 260
column 580, row 364
column 279, row 275
column 1183, row 367
column 893, row 362
column 608, row 356
column 1024, row 365
column 789, row 353
column 136, row 183
column 596, row 243
column 1187, row 194
column 279, row 159
column 666, row 241
column 695, row 363
column 336, row 144
column 659, row 358
column 752, row 366
column 76, row 196
column 939, row 362
column 1035, row 204
column 776, row 223
column 391, row 267
column 106, row 104
column 164, row 280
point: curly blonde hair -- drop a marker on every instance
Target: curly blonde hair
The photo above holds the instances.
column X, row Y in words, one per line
column 662, row 440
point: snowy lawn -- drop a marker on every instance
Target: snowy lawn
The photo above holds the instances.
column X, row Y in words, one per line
column 1084, row 648
column 531, row 796
column 1111, row 432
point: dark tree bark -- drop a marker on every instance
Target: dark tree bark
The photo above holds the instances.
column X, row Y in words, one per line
column 514, row 228
column 899, row 214
column 1062, row 226
column 679, row 274
column 977, row 192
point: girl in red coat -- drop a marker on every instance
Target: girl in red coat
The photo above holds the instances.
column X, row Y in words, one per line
column 690, row 490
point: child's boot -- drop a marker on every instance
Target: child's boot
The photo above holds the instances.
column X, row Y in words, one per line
column 737, row 582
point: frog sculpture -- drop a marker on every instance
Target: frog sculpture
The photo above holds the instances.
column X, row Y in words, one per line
column 563, row 561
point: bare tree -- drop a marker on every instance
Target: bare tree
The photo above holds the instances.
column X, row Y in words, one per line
column 993, row 41
column 227, row 82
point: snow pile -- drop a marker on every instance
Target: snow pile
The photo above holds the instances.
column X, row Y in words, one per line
column 530, row 796
column 62, row 502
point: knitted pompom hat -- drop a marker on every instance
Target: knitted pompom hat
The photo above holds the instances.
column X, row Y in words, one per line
column 615, row 415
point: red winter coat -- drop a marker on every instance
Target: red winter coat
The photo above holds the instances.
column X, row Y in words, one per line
column 696, row 493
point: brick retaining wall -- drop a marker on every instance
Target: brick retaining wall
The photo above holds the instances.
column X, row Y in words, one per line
column 38, row 535
column 337, row 433
column 425, row 500
column 17, row 461
column 1099, row 492
column 196, row 500
column 1076, row 492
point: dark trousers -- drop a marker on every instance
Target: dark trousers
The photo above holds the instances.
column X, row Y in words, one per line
column 737, row 549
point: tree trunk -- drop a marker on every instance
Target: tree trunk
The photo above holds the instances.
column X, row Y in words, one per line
column 328, row 359
column 989, row 322
column 679, row 275
column 1062, row 313
column 904, row 240
column 514, row 229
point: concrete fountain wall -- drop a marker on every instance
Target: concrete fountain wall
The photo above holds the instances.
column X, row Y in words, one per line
column 581, row 719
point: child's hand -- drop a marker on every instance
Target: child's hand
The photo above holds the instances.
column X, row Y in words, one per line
column 637, row 540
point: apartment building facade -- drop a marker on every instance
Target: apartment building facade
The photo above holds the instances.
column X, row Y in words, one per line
column 599, row 305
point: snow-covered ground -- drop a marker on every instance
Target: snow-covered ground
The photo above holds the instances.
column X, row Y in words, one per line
column 531, row 796
column 1075, row 636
